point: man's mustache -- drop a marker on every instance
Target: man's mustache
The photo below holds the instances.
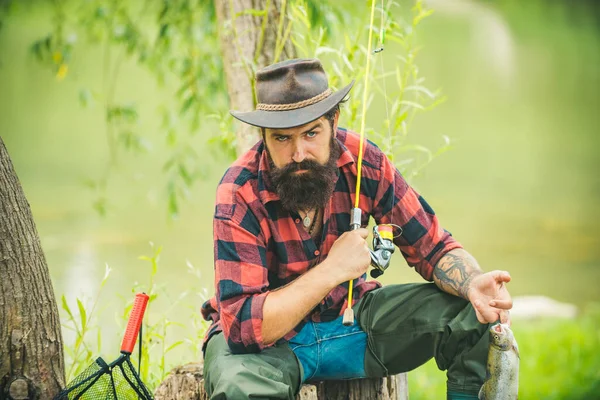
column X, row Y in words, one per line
column 301, row 166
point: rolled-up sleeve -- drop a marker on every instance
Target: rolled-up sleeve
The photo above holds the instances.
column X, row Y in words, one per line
column 423, row 241
column 241, row 278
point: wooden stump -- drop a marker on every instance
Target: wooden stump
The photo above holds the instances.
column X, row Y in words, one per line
column 183, row 383
column 186, row 382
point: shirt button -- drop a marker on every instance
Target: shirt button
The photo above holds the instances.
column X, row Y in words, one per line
column 317, row 252
column 297, row 220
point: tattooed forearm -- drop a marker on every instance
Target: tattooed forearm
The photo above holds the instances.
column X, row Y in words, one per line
column 454, row 272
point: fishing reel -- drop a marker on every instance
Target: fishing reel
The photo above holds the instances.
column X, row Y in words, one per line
column 383, row 245
column 381, row 255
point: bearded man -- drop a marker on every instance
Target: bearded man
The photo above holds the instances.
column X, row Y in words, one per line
column 284, row 254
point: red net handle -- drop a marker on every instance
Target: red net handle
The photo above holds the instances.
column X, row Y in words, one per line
column 134, row 323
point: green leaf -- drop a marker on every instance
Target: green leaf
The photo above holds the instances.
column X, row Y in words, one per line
column 420, row 89
column 122, row 114
column 169, row 164
column 187, row 104
column 412, row 104
column 171, row 347
column 82, row 314
column 422, row 14
column 185, row 175
column 173, row 203
column 324, row 50
column 100, row 206
column 107, row 271
column 65, row 307
column 171, row 137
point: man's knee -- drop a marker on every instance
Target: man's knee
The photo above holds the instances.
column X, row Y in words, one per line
column 234, row 380
column 225, row 380
column 272, row 374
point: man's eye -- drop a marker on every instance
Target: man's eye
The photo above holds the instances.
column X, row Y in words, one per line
column 311, row 134
column 281, row 138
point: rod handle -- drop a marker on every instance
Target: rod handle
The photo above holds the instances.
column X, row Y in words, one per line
column 348, row 319
column 134, row 323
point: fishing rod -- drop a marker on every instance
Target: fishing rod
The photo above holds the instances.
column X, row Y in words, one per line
column 383, row 235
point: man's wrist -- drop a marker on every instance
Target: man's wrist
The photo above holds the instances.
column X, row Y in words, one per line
column 466, row 291
column 326, row 275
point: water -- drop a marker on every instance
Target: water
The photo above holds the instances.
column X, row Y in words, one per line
column 520, row 189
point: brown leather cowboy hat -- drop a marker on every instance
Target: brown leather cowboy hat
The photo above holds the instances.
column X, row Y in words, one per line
column 291, row 93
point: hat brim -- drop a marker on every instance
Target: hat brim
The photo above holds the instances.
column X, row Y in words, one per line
column 292, row 118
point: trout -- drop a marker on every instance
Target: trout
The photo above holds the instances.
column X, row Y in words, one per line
column 502, row 374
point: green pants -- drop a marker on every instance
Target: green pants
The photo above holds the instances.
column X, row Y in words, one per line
column 406, row 326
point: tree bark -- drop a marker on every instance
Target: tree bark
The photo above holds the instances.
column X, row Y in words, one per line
column 187, row 383
column 31, row 352
column 243, row 53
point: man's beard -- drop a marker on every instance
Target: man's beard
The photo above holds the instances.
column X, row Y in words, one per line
column 310, row 189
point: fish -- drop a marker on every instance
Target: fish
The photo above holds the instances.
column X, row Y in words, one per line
column 502, row 372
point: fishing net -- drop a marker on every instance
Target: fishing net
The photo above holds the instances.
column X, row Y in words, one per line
column 115, row 381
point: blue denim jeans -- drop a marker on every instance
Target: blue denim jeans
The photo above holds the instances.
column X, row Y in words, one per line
column 330, row 350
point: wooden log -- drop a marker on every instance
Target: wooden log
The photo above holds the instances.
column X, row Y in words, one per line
column 186, row 382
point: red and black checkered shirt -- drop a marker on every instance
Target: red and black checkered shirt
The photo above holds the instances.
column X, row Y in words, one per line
column 260, row 247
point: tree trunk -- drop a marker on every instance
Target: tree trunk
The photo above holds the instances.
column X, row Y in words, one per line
column 31, row 353
column 246, row 47
column 187, row 383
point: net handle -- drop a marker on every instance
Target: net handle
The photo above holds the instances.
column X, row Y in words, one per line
column 134, row 323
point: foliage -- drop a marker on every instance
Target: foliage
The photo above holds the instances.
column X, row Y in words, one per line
column 85, row 345
column 559, row 361
column 401, row 89
column 176, row 41
column 82, row 352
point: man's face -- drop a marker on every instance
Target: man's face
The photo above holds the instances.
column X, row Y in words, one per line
column 303, row 163
column 294, row 145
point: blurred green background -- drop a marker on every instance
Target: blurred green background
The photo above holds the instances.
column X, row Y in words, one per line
column 520, row 187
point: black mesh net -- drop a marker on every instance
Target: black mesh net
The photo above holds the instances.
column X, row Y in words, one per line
column 118, row 381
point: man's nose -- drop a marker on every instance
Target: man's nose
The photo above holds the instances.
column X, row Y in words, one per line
column 299, row 152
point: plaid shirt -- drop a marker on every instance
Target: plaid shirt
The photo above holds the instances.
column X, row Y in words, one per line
column 260, row 247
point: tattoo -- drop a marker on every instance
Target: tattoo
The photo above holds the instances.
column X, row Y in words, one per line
column 455, row 271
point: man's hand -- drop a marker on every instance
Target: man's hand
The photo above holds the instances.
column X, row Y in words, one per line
column 284, row 308
column 458, row 273
column 490, row 298
column 349, row 256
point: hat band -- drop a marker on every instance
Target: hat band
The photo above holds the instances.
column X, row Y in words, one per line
column 293, row 106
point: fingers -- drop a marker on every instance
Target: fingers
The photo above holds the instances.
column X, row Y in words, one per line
column 480, row 317
column 502, row 304
column 501, row 276
column 485, row 314
column 505, row 317
column 363, row 232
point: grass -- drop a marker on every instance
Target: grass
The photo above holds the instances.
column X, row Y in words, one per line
column 559, row 361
